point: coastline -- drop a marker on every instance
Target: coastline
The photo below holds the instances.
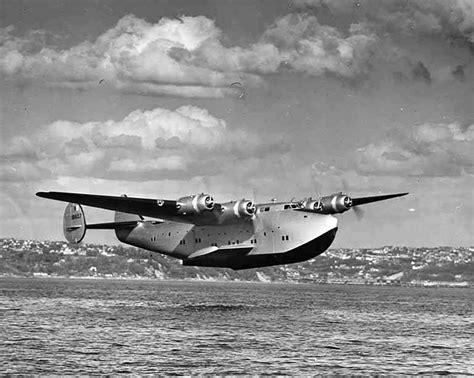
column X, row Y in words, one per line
column 424, row 284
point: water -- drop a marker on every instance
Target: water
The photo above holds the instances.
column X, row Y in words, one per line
column 68, row 326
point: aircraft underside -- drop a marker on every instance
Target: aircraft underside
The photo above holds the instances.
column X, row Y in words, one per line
column 238, row 261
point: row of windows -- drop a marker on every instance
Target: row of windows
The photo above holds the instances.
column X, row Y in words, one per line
column 285, row 207
column 199, row 240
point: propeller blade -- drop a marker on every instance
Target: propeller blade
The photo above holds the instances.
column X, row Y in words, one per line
column 365, row 200
column 254, row 195
column 358, row 212
column 345, row 185
column 317, row 188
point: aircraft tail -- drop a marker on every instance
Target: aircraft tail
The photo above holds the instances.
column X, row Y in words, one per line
column 74, row 223
column 75, row 226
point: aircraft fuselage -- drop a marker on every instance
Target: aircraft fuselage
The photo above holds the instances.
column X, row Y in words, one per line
column 277, row 234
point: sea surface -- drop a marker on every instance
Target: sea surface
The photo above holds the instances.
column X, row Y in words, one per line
column 72, row 326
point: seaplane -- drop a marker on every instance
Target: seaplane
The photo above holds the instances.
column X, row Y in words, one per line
column 235, row 234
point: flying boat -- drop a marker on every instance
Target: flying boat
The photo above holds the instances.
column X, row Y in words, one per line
column 201, row 232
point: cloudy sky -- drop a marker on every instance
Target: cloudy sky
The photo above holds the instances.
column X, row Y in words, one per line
column 239, row 99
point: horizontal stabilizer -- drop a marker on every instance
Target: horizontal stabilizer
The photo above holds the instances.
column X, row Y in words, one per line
column 72, row 228
column 111, row 225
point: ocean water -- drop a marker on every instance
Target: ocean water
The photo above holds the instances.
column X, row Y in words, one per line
column 71, row 326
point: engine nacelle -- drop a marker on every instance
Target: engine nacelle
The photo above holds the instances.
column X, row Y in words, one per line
column 195, row 204
column 244, row 208
column 311, row 205
column 336, row 203
column 238, row 209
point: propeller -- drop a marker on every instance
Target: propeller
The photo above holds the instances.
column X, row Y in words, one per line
column 254, row 195
column 337, row 203
column 359, row 212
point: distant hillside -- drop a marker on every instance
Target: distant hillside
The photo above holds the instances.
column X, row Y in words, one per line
column 388, row 265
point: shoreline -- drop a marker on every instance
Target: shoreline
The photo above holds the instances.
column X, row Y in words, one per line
column 428, row 284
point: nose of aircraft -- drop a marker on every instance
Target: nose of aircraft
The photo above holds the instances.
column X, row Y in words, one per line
column 329, row 223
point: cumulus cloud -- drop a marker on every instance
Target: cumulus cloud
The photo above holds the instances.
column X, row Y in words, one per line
column 298, row 43
column 453, row 18
column 185, row 56
column 428, row 150
column 134, row 55
column 144, row 145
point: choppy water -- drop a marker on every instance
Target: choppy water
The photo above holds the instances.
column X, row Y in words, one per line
column 67, row 326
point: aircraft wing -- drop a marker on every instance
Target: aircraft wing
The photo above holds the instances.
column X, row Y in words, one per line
column 364, row 200
column 156, row 208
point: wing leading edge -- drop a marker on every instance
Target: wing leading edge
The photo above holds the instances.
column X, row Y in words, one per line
column 365, row 200
column 155, row 208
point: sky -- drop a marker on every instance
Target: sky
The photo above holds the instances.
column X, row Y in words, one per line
column 256, row 99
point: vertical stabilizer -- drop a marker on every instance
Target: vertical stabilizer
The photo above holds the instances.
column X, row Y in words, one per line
column 74, row 223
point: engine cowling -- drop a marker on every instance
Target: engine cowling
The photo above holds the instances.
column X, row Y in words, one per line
column 244, row 208
column 195, row 204
column 336, row 203
column 238, row 209
column 311, row 205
